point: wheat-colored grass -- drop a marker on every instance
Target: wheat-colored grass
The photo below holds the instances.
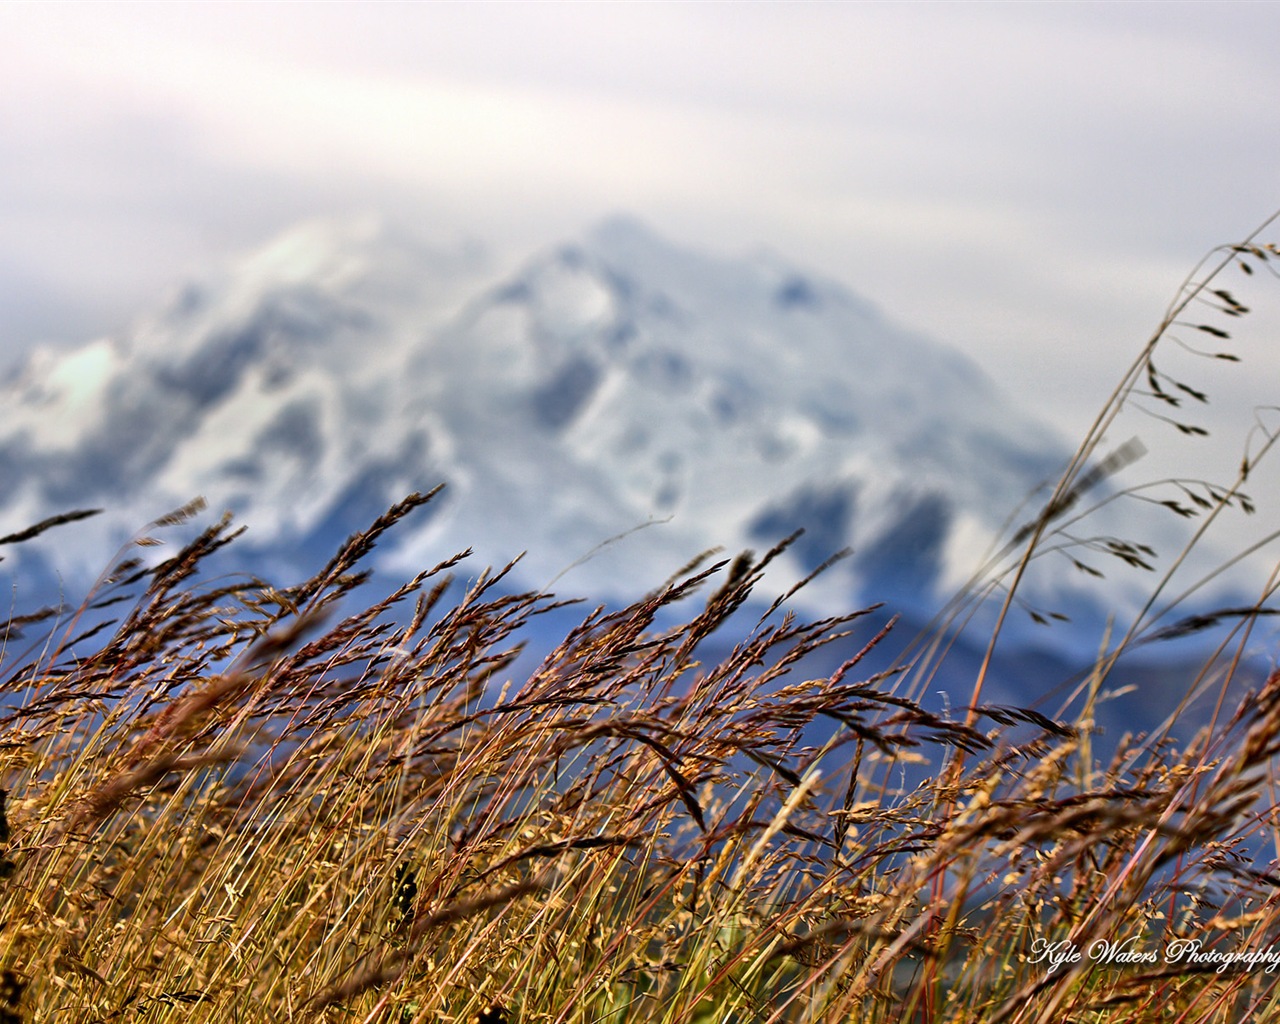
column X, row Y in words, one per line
column 245, row 803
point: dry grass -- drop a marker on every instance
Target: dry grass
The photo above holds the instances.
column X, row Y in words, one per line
column 241, row 803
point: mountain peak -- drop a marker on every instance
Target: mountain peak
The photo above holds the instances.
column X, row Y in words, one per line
column 627, row 244
column 622, row 230
column 613, row 382
column 318, row 251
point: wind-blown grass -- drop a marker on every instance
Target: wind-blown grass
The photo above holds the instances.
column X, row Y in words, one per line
column 244, row 802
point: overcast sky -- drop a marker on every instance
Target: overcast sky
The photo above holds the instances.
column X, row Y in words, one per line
column 1027, row 182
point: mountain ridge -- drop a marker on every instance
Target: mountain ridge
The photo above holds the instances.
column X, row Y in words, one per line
column 613, row 385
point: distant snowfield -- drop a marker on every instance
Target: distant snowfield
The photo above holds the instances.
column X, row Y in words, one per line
column 613, row 408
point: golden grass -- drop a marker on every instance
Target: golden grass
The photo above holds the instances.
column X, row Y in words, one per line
column 243, row 803
column 240, row 806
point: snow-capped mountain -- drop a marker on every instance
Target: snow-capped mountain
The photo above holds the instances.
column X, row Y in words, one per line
column 612, row 383
column 621, row 380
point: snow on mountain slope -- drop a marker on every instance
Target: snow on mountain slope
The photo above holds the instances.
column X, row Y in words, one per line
column 611, row 383
column 622, row 380
column 262, row 387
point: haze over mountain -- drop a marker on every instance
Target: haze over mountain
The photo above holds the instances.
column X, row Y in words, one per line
column 612, row 382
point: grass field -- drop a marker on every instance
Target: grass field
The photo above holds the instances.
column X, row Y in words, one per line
column 243, row 802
